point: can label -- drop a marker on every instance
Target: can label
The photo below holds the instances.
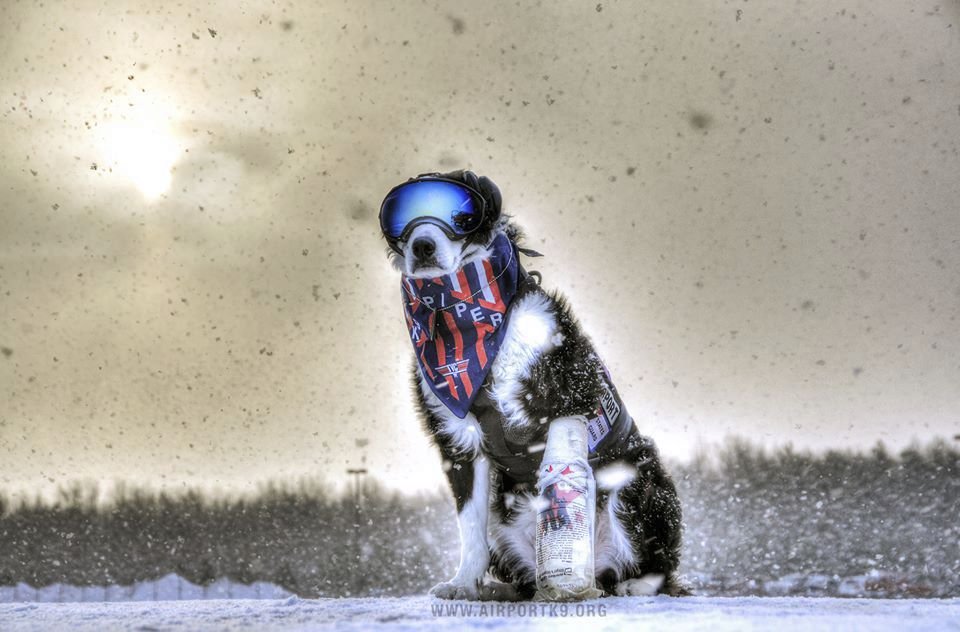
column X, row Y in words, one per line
column 565, row 538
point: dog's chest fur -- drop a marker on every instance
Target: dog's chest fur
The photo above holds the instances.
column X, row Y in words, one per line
column 533, row 332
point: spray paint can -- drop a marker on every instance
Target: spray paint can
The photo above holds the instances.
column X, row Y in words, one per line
column 566, row 515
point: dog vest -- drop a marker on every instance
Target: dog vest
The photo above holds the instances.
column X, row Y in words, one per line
column 609, row 432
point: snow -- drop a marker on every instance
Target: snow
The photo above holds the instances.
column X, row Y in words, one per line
column 614, row 476
column 717, row 614
column 170, row 587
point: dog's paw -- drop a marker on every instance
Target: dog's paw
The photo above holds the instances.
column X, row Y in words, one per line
column 456, row 590
column 640, row 587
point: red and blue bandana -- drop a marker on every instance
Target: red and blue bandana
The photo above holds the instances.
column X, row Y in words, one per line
column 456, row 323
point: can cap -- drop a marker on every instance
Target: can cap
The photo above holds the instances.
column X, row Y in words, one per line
column 566, row 440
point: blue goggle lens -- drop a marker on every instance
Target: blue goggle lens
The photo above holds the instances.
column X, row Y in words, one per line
column 454, row 206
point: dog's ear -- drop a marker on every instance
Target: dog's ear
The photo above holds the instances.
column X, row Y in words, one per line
column 491, row 193
column 487, row 188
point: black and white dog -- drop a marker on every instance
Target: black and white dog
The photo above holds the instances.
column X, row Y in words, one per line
column 497, row 359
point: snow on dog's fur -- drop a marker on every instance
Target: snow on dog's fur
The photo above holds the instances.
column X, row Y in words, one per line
column 545, row 369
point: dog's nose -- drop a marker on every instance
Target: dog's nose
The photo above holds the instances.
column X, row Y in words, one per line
column 423, row 247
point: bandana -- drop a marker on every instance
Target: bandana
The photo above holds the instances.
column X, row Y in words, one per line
column 456, row 323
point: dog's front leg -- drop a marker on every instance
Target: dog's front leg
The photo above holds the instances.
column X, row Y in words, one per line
column 470, row 482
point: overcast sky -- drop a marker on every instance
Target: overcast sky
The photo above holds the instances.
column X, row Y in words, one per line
column 752, row 208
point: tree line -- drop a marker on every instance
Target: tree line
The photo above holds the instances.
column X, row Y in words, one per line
column 750, row 515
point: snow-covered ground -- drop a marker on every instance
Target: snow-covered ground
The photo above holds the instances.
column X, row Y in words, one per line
column 424, row 613
column 170, row 587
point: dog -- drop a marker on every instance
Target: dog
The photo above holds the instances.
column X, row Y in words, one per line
column 497, row 358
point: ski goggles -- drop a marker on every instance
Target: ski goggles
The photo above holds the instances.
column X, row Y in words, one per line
column 453, row 206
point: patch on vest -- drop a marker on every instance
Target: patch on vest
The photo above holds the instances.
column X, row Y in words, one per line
column 607, row 412
column 597, row 429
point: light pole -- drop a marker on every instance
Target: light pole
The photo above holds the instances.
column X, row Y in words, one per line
column 358, row 474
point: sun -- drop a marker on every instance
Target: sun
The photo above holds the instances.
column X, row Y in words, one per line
column 143, row 151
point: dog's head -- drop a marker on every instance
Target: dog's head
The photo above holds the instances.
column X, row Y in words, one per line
column 427, row 248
